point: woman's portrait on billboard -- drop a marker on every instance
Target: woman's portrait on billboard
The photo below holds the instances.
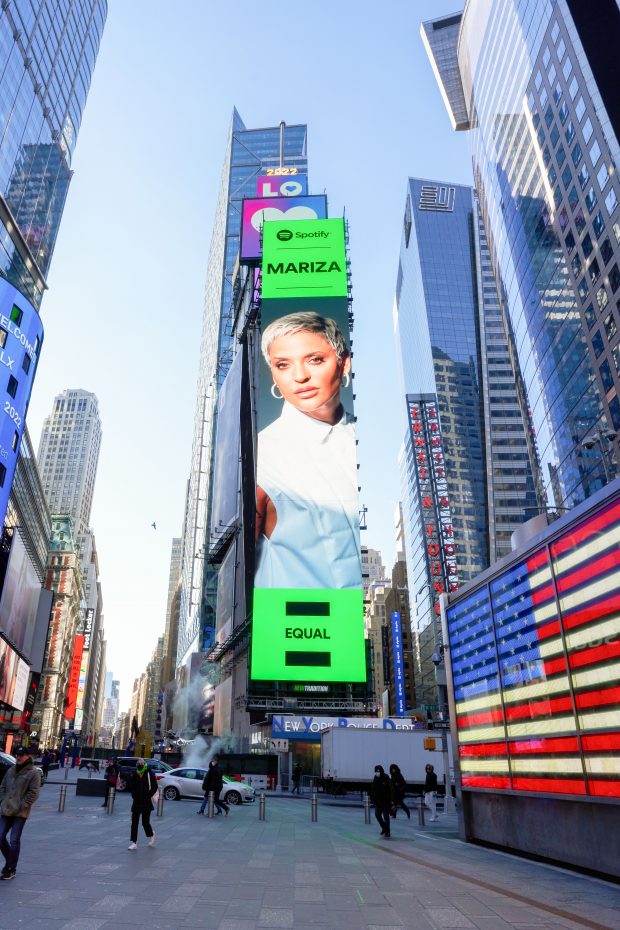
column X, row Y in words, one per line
column 307, row 511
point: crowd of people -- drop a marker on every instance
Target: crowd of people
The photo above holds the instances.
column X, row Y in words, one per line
column 387, row 793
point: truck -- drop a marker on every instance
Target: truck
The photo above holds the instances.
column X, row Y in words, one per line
column 349, row 756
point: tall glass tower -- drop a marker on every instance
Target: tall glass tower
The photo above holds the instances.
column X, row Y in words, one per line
column 536, row 86
column 249, row 152
column 47, row 56
column 465, row 468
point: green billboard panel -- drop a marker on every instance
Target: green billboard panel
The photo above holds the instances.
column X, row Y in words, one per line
column 304, row 258
column 308, row 634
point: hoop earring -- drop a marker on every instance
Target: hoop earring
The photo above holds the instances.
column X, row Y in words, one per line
column 274, row 388
column 345, row 380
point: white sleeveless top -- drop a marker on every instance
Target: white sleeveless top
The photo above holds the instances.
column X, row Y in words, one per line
column 308, row 469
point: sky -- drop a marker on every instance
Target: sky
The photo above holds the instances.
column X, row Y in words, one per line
column 123, row 313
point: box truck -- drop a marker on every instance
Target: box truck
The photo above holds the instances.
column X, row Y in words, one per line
column 349, row 756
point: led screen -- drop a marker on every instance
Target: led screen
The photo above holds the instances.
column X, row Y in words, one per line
column 21, row 334
column 282, row 182
column 13, row 677
column 308, row 600
column 304, row 258
column 256, row 212
column 20, row 599
column 534, row 656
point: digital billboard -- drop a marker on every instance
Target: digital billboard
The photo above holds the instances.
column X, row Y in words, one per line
column 13, row 677
column 256, row 212
column 74, row 678
column 20, row 598
column 282, row 182
column 307, row 601
column 21, row 335
column 399, row 667
column 304, row 258
column 534, row 655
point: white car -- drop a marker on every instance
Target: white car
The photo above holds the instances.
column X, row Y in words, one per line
column 187, row 783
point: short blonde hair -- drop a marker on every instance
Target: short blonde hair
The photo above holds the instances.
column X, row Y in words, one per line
column 307, row 321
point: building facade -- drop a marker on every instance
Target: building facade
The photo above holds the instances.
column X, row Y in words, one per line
column 249, row 153
column 465, row 469
column 536, row 87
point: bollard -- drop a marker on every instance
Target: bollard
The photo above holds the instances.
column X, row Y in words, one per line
column 90, row 773
column 160, row 802
column 211, row 804
column 366, row 805
column 61, row 800
column 421, row 811
column 261, row 806
column 314, row 807
column 111, row 797
column 66, row 772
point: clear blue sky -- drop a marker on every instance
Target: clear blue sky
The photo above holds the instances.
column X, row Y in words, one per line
column 123, row 314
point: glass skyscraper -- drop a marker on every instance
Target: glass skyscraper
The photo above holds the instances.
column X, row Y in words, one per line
column 465, row 464
column 536, row 86
column 47, row 55
column 248, row 153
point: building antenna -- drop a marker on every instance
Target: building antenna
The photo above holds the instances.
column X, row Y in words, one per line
column 282, row 125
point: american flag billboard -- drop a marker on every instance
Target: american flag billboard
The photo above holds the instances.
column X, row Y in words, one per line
column 535, row 656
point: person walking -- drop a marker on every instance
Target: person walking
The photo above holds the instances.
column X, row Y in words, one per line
column 218, row 784
column 19, row 790
column 430, row 791
column 46, row 759
column 381, row 797
column 143, row 789
column 111, row 778
column 208, row 785
column 296, row 778
column 399, row 787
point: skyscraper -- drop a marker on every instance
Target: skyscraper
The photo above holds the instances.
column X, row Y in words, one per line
column 69, row 454
column 536, row 86
column 48, row 52
column 249, row 153
column 465, row 465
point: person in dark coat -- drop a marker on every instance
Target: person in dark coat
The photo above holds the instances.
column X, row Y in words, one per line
column 296, row 778
column 213, row 781
column 143, row 786
column 381, row 797
column 19, row 790
column 399, row 786
column 430, row 791
column 46, row 760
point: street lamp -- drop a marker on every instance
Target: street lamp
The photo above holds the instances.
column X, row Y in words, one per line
column 603, row 438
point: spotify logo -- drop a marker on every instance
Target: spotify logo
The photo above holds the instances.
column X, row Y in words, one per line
column 284, row 235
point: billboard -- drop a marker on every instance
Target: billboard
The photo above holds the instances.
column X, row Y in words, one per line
column 20, row 598
column 534, row 655
column 21, row 336
column 304, row 258
column 13, row 677
column 310, row 727
column 282, row 182
column 307, row 601
column 256, row 212
column 74, row 678
column 399, row 668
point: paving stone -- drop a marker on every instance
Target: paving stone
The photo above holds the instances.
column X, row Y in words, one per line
column 276, row 917
column 448, row 917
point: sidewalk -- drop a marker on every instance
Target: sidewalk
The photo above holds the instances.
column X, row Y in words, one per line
column 237, row 873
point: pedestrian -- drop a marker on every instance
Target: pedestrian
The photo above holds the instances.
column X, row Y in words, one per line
column 399, row 787
column 218, row 784
column 430, row 791
column 296, row 778
column 19, row 790
column 208, row 786
column 143, row 786
column 111, row 779
column 381, row 797
column 46, row 759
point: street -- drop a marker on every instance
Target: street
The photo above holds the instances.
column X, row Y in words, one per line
column 238, row 873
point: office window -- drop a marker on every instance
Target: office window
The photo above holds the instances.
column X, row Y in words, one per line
column 538, row 80
column 570, row 242
column 576, row 154
column 543, row 97
column 610, row 327
column 561, row 50
column 573, row 198
column 614, row 278
column 576, row 265
column 606, row 376
column 602, row 176
column 26, row 363
column 589, row 315
column 546, row 57
column 611, row 201
column 601, row 298
column 594, row 271
column 582, row 287
column 3, row 335
column 587, row 245
column 567, row 176
column 567, row 67
column 597, row 343
column 12, row 386
column 606, row 250
column 598, row 223
column 595, row 153
column 580, row 221
column 580, row 109
column 2, row 475
column 583, row 176
column 587, row 130
column 573, row 87
column 563, row 112
column 591, row 200
column 554, row 135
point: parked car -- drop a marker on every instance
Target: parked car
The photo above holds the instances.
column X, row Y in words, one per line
column 187, row 783
column 127, row 766
column 7, row 760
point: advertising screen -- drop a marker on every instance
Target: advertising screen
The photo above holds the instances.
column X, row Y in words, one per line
column 282, row 182
column 20, row 598
column 256, row 212
column 13, row 677
column 308, row 601
column 74, row 678
column 21, row 335
column 399, row 668
column 534, row 656
column 304, row 258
